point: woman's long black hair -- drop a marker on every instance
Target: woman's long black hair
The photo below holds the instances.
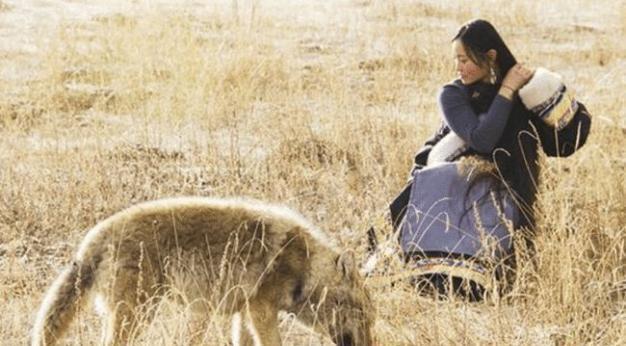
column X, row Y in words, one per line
column 478, row 37
column 515, row 155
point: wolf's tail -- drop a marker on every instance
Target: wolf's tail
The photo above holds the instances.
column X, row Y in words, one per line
column 62, row 301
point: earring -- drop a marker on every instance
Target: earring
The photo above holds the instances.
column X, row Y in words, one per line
column 492, row 75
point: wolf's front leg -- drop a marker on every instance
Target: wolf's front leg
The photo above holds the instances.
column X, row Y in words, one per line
column 261, row 324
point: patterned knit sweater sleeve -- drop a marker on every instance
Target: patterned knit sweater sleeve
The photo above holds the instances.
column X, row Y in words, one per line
column 480, row 131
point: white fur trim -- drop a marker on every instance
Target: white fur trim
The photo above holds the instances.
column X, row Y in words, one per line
column 447, row 149
column 543, row 85
column 369, row 265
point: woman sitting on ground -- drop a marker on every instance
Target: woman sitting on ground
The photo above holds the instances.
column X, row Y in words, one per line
column 475, row 181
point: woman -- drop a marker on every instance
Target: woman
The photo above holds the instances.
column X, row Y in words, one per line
column 484, row 158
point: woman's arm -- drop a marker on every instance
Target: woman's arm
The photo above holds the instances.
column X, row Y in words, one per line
column 480, row 131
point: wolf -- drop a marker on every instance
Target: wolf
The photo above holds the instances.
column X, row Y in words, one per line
column 239, row 257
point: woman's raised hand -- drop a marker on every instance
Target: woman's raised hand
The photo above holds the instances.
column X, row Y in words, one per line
column 517, row 76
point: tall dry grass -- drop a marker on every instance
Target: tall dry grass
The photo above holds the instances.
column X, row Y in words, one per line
column 318, row 106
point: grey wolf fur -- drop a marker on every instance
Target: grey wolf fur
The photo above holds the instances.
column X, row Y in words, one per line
column 256, row 259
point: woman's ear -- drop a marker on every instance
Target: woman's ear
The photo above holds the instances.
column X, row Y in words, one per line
column 492, row 54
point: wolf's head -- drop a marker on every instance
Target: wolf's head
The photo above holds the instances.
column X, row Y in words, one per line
column 339, row 303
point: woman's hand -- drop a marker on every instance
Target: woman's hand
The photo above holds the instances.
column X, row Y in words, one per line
column 517, row 76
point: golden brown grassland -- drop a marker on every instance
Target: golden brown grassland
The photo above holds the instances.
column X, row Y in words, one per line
column 319, row 106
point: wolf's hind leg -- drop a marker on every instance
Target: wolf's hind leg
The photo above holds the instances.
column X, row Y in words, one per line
column 240, row 334
column 262, row 324
column 127, row 297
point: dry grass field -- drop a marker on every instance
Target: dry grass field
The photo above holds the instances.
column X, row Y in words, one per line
column 318, row 105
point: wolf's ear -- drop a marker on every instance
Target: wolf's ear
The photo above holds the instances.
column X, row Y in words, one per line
column 346, row 265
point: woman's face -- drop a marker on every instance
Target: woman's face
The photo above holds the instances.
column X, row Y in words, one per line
column 466, row 69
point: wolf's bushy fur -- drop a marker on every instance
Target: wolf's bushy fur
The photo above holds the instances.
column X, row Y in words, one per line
column 235, row 256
